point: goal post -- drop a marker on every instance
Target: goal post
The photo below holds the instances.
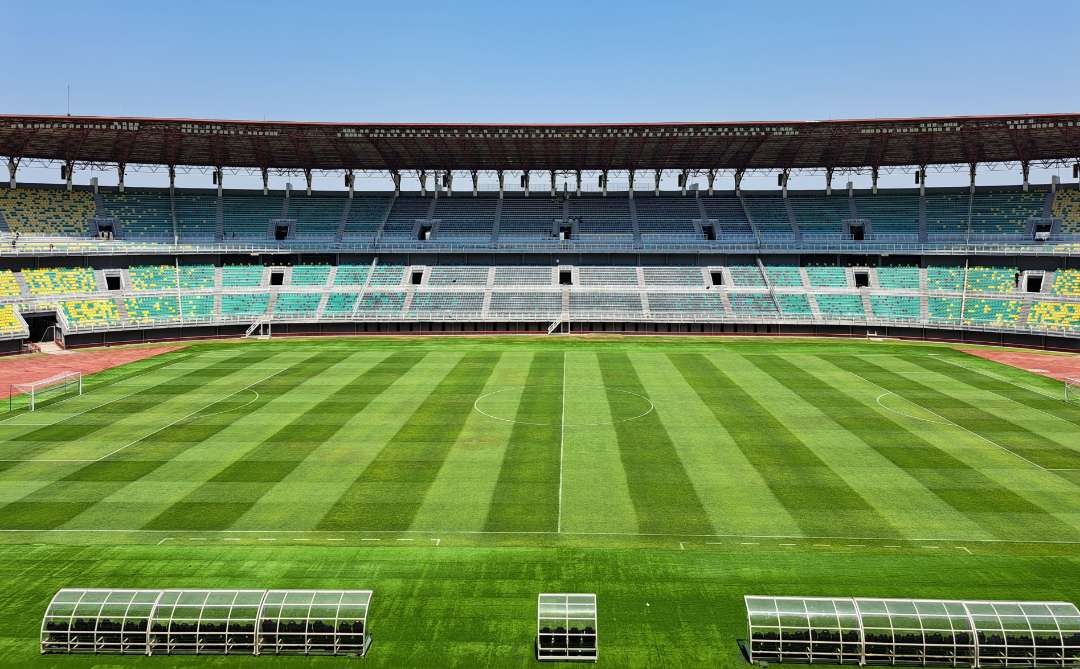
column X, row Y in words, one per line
column 35, row 392
column 1072, row 390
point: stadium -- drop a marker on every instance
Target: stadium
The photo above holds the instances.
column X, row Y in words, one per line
column 503, row 336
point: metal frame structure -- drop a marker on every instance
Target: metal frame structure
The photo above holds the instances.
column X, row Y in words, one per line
column 873, row 631
column 566, row 627
column 206, row 622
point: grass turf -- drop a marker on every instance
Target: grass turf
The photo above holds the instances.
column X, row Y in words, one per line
column 459, row 477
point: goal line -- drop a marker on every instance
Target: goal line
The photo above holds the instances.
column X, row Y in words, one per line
column 35, row 392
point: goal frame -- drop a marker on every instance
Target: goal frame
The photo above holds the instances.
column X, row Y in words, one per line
column 33, row 389
column 1072, row 389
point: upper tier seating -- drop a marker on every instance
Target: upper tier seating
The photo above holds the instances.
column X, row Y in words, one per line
column 1055, row 315
column 196, row 216
column 746, row 275
column 387, row 275
column 947, row 215
column 542, row 304
column 753, row 304
column 607, row 276
column 466, row 218
column 1004, row 211
column 365, row 215
column 310, row 275
column 991, row 279
column 898, row 278
column 666, row 219
column 47, row 211
column 1066, row 282
column 991, row 312
column 241, row 276
column 685, row 303
column 340, row 304
column 840, row 305
column 944, row 309
column 784, row 276
column 317, row 215
column 381, row 304
column 794, row 304
column 197, row 307
column 601, row 218
column 730, row 216
column 91, row 312
column 249, row 216
column 819, row 215
column 583, row 303
column 769, row 213
column 244, row 305
column 896, row 307
column 826, row 276
column 523, row 276
column 944, row 278
column 143, row 214
column 9, row 287
column 1067, row 208
column 297, row 304
column 673, row 276
column 153, row 309
column 891, row 214
column 60, row 280
column 351, row 275
column 9, row 321
column 448, row 303
column 454, row 275
column 164, row 277
column 529, row 218
column 401, row 225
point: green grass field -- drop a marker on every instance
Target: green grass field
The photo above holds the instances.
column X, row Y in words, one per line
column 457, row 478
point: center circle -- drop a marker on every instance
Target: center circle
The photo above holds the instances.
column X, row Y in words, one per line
column 573, row 406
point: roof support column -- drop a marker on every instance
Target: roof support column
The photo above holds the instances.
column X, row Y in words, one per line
column 67, row 171
column 873, row 180
column 120, row 176
column 172, row 179
column 448, row 179
column 712, row 180
column 525, row 182
column 828, row 180
column 395, row 176
column 784, row 176
column 603, row 181
column 12, row 168
column 920, row 178
column 475, row 181
column 422, row 175
column 551, row 174
column 656, row 181
column 307, row 178
column 218, row 174
column 502, row 180
column 1026, row 167
column 684, row 177
column 350, row 182
column 971, row 183
column 739, row 173
column 577, row 176
column 630, row 192
column 266, row 180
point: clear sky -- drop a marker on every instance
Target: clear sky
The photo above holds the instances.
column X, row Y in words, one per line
column 540, row 62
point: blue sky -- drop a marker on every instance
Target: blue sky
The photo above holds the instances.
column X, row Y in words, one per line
column 540, row 62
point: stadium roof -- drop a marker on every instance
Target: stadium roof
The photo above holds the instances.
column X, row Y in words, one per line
column 402, row 146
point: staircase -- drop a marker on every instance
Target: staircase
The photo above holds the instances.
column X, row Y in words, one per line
column 749, row 219
column 791, row 219
column 498, row 219
column 385, row 218
column 1025, row 311
column 219, row 230
column 634, row 222
column 923, row 235
column 340, row 234
column 3, row 223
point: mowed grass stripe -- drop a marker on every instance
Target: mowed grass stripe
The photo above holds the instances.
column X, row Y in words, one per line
column 390, row 490
column 816, row 496
column 962, row 487
column 1005, row 433
column 526, row 495
column 1055, row 406
column 664, row 497
column 60, row 501
column 274, row 458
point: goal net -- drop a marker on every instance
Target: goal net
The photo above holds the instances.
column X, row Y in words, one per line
column 32, row 394
column 1072, row 390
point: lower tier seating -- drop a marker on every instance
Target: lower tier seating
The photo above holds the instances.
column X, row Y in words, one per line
column 9, row 287
column 794, row 304
column 1055, row 315
column 59, row 281
column 244, row 305
column 896, row 307
column 9, row 321
column 1066, row 282
column 91, row 312
column 840, row 306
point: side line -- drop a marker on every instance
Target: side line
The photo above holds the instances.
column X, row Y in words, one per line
column 562, row 444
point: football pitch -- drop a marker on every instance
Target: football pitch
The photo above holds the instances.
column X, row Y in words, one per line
column 459, row 477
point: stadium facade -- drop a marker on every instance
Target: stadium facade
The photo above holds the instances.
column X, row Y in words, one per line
column 95, row 265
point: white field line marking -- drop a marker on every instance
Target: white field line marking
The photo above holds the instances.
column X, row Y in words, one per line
column 1003, row 379
column 562, row 445
column 336, row 539
column 163, row 427
column 965, row 549
column 164, row 540
column 436, row 540
column 267, row 539
column 316, row 533
column 682, row 546
column 789, row 544
column 901, row 413
column 231, row 539
column 646, row 412
column 957, row 425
